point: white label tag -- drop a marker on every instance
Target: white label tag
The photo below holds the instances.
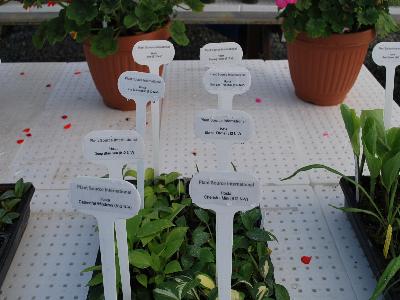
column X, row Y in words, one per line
column 156, row 52
column 116, row 145
column 214, row 54
column 213, row 190
column 118, row 199
column 140, row 86
column 229, row 125
column 227, row 80
column 387, row 53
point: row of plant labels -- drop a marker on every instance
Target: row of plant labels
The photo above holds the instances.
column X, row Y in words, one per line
column 112, row 200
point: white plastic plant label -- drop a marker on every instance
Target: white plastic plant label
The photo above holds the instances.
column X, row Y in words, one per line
column 114, row 145
column 153, row 52
column 388, row 54
column 227, row 80
column 235, row 126
column 214, row 54
column 225, row 189
column 114, row 198
column 141, row 86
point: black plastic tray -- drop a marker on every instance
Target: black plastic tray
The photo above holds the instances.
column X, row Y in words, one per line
column 14, row 231
column 374, row 256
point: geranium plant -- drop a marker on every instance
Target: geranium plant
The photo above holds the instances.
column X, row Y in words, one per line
column 321, row 18
column 102, row 21
column 172, row 249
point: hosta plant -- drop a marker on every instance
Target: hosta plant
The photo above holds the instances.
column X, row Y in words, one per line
column 322, row 18
column 102, row 21
column 378, row 150
column 172, row 249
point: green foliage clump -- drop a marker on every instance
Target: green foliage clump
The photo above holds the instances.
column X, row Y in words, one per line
column 322, row 18
column 172, row 249
column 102, row 21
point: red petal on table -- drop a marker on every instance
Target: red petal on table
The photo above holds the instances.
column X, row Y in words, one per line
column 22, row 73
column 48, row 85
column 68, row 126
column 194, row 152
column 19, row 142
column 306, row 259
column 29, row 134
column 64, row 117
column 26, row 130
column 77, row 72
column 258, row 100
column 325, row 134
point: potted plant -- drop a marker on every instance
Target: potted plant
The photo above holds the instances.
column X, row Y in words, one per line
column 172, row 249
column 108, row 31
column 375, row 216
column 14, row 213
column 328, row 41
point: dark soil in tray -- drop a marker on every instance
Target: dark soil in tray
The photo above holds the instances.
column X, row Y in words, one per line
column 11, row 237
column 369, row 236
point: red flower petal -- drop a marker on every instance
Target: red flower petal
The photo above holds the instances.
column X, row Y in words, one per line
column 325, row 134
column 68, row 126
column 64, row 117
column 258, row 100
column 26, row 130
column 77, row 72
column 48, row 85
column 29, row 134
column 19, row 142
column 306, row 259
column 22, row 73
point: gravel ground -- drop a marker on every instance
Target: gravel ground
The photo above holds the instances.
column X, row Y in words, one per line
column 16, row 46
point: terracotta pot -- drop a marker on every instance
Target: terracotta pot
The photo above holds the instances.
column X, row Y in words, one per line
column 105, row 71
column 324, row 70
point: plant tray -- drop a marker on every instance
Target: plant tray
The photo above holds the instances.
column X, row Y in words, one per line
column 11, row 238
column 374, row 255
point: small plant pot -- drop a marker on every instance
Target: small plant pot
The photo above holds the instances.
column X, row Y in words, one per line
column 10, row 239
column 324, row 70
column 106, row 71
column 374, row 255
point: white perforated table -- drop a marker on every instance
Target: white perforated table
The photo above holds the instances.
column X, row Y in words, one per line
column 60, row 242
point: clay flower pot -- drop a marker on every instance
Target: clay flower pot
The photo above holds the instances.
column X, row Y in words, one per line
column 323, row 70
column 105, row 71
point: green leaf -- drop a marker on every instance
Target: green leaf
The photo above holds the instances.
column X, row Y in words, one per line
column 11, row 203
column 172, row 267
column 317, row 27
column 195, row 5
column 149, row 174
column 176, row 209
column 146, row 16
column 40, row 36
column 155, row 262
column 82, row 11
column 281, row 293
column 181, row 187
column 9, row 217
column 393, row 139
column 202, row 214
column 250, row 218
column 258, row 234
column 178, row 33
column 140, row 258
column 104, row 43
column 150, row 197
column 142, row 279
column 206, row 255
column 7, row 195
column 390, row 169
column 19, row 188
column 130, row 20
column 369, row 139
column 357, row 210
column 130, row 173
column 352, row 124
column 91, row 269
column 96, row 280
column 392, row 268
column 171, row 177
column 154, row 227
column 132, row 227
column 200, row 237
column 174, row 241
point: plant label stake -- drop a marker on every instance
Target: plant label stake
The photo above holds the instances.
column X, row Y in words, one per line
column 154, row 54
column 387, row 54
column 217, row 54
column 224, row 127
column 142, row 88
column 114, row 148
column 226, row 82
column 225, row 193
column 108, row 200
